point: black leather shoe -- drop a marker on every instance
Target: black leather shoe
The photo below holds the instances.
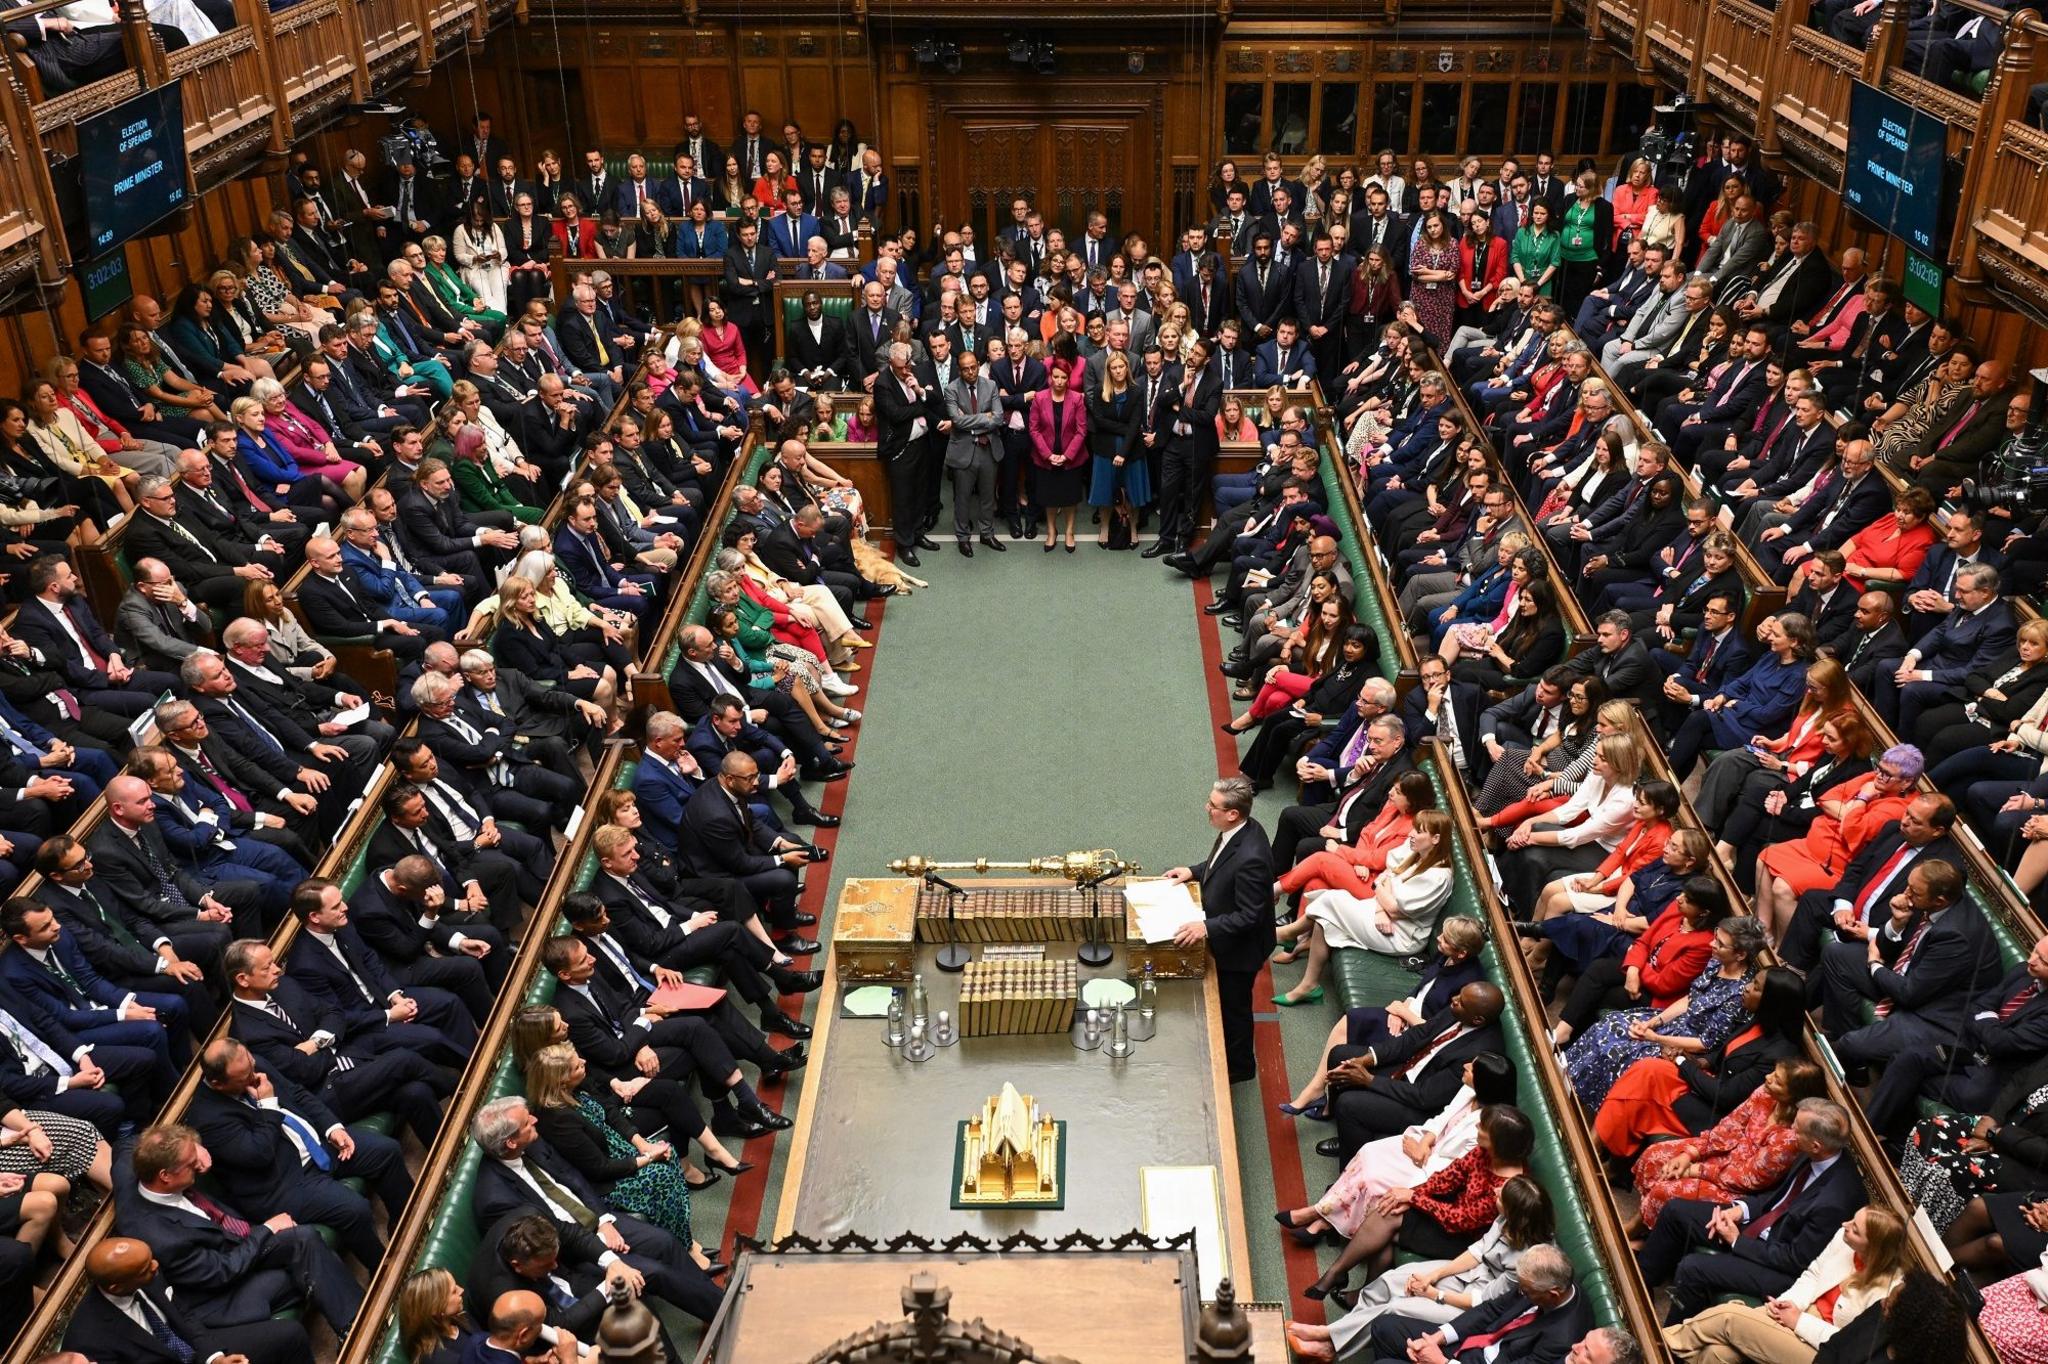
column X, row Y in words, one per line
column 1329, row 1146
column 860, row 622
column 1157, row 548
column 1240, row 671
column 966, row 550
column 1016, row 529
column 907, row 555
column 1234, row 622
column 788, row 978
column 803, row 920
column 926, row 542
column 785, row 1026
column 768, row 1118
column 711, row 1176
column 1216, row 608
column 786, row 1062
column 820, row 820
column 997, row 545
column 1181, row 563
column 883, row 590
column 727, row 1122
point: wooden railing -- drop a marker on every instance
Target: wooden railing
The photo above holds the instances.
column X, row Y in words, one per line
column 1810, row 100
column 319, row 56
column 1735, row 56
column 231, row 111
column 1669, row 33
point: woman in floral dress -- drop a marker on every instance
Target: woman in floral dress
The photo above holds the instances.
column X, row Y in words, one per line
column 1951, row 1158
column 1697, row 1023
column 1750, row 1149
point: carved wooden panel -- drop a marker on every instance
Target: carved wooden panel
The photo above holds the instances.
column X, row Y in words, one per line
column 1091, row 171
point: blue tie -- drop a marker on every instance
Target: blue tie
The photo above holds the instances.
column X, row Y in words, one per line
column 623, row 962
column 315, row 1152
column 161, row 1329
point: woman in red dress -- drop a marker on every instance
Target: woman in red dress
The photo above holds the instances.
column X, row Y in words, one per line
column 1750, row 1149
column 1354, row 868
column 1889, row 549
column 1851, row 815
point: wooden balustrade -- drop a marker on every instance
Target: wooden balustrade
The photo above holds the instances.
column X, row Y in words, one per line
column 319, row 56
column 229, row 106
column 29, row 241
column 1810, row 103
column 1672, row 31
column 1735, row 57
column 390, row 31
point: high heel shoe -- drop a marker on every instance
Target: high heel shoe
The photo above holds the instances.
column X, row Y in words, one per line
column 711, row 1176
column 1047, row 547
column 1316, row 1291
column 1070, row 547
column 736, row 1169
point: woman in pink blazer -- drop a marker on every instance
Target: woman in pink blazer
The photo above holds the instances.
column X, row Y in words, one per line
column 1059, row 449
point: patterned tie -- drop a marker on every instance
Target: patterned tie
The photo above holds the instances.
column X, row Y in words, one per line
column 56, row 965
column 166, row 883
column 578, row 1210
column 1885, row 1006
column 2019, row 1001
column 160, row 1327
column 218, row 1215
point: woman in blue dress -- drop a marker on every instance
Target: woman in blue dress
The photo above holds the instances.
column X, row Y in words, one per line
column 1697, row 1023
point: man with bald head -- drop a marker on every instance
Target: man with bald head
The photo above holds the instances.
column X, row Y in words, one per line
column 129, row 1317
column 130, row 855
column 516, row 1322
column 1389, row 1089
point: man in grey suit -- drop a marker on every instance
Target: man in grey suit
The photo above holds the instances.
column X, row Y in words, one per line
column 971, row 452
column 1741, row 243
column 1659, row 319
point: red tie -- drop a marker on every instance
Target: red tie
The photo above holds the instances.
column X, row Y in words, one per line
column 2019, row 1001
column 215, row 1213
column 1883, row 877
column 1486, row 1338
column 1769, row 1219
column 1416, row 1063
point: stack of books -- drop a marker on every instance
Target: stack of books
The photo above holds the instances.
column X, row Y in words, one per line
column 1018, row 994
column 1017, row 914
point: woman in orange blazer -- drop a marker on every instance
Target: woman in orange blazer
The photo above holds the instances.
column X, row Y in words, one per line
column 1851, row 815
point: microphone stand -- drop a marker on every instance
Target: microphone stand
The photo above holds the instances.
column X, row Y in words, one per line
column 954, row 954
column 1093, row 951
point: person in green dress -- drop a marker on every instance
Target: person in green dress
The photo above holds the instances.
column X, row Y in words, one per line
column 454, row 292
column 1537, row 251
column 590, row 1127
column 1588, row 225
column 466, row 451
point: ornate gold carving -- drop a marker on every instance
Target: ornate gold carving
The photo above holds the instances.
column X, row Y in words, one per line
column 1246, row 61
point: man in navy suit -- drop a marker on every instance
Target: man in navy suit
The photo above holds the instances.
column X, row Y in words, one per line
column 1973, row 637
column 58, row 620
column 668, row 775
column 43, row 1064
column 228, row 1270
column 1286, row 359
column 130, row 1317
column 276, row 1146
column 2004, row 1028
column 679, row 191
column 42, row 963
column 1857, row 497
column 1757, row 1245
column 1264, row 291
column 1930, row 594
column 727, row 729
column 120, row 943
column 1707, row 418
column 721, row 837
column 1925, row 959
column 331, row 960
column 522, row 1173
column 791, row 229
column 1718, row 656
column 1236, row 881
column 198, row 835
column 582, row 555
column 396, row 910
column 354, row 1071
column 1543, row 1317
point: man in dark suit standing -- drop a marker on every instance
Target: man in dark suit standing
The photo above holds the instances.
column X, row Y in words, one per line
column 1544, row 1315
column 128, row 1317
column 228, row 1271
column 904, row 407
column 749, row 285
column 1236, row 882
column 1766, row 1239
column 1190, row 449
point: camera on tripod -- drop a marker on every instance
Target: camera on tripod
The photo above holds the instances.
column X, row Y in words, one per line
column 2018, row 476
column 1669, row 141
column 412, row 140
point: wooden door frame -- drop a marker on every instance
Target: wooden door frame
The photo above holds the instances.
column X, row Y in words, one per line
column 943, row 96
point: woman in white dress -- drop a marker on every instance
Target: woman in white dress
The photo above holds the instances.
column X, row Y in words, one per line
column 1438, row 1290
column 1404, row 1161
column 1396, row 919
column 480, row 254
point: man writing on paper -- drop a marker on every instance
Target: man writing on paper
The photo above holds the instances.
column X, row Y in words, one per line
column 1237, row 902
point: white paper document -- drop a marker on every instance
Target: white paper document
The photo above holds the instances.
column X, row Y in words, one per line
column 1163, row 906
column 353, row 715
column 1178, row 1198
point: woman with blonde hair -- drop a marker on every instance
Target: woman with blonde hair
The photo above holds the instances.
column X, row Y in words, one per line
column 597, row 1137
column 1398, row 918
column 1578, row 835
column 524, row 640
column 431, row 1328
column 1853, row 1274
column 86, row 470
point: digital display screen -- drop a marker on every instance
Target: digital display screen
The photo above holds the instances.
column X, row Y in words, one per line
column 106, row 284
column 132, row 159
column 1924, row 281
column 1892, row 174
